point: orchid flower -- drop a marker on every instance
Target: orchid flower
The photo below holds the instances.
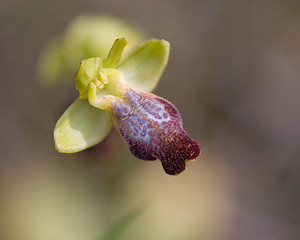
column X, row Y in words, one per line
column 115, row 91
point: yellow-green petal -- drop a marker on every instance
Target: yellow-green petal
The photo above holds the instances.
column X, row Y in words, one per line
column 80, row 127
column 144, row 64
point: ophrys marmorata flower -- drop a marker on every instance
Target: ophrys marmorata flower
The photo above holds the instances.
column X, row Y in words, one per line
column 117, row 91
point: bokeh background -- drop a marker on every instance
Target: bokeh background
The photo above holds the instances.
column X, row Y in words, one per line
column 234, row 75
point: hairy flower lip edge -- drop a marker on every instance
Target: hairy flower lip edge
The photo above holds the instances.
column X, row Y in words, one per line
column 195, row 155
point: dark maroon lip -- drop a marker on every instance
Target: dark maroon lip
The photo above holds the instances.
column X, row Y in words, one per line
column 152, row 128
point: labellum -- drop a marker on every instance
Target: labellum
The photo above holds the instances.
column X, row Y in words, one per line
column 152, row 128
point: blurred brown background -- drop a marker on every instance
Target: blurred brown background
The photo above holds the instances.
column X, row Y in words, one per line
column 234, row 75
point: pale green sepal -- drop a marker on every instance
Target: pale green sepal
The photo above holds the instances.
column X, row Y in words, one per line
column 144, row 64
column 115, row 53
column 88, row 70
column 80, row 127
